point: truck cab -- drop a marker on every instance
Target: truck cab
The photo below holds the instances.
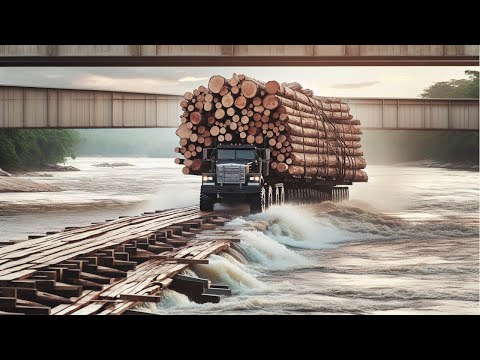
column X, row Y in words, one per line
column 236, row 173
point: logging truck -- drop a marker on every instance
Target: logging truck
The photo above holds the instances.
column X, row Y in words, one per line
column 241, row 173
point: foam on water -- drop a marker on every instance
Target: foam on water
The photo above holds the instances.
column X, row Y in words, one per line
column 262, row 249
column 224, row 269
column 327, row 224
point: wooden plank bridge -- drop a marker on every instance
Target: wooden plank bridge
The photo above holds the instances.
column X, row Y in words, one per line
column 111, row 267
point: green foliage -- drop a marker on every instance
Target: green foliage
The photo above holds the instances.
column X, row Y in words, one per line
column 32, row 148
column 455, row 88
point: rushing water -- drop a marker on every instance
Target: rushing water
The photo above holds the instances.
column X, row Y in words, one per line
column 407, row 242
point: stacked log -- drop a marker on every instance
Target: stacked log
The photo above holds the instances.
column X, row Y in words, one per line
column 308, row 135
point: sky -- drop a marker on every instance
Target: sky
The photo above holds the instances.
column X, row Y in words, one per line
column 324, row 81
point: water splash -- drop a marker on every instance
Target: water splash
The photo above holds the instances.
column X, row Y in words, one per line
column 261, row 249
column 327, row 225
column 224, row 269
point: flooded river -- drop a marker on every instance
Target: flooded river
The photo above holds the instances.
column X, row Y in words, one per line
column 407, row 242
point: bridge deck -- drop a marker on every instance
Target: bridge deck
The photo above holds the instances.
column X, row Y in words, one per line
column 106, row 268
column 238, row 55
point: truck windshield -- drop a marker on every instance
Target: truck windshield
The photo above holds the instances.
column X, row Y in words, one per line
column 224, row 154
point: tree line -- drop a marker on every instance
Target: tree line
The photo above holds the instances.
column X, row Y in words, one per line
column 34, row 148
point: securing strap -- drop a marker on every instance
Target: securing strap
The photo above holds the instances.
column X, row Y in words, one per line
column 318, row 116
column 303, row 144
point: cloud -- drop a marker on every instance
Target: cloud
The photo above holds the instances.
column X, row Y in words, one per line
column 98, row 82
column 192, row 79
column 355, row 85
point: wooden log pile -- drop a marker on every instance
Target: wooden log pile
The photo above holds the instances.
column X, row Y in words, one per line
column 307, row 135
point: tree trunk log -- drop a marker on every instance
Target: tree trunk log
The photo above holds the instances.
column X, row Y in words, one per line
column 216, row 83
column 289, row 111
column 183, row 131
column 249, row 89
column 318, row 124
column 332, row 149
column 354, row 175
column 275, row 88
column 196, row 165
column 320, row 142
column 312, row 133
column 271, row 102
column 314, row 160
column 227, row 100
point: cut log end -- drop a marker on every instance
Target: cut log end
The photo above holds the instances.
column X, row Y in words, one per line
column 249, row 89
column 270, row 102
column 227, row 100
column 219, row 114
column 216, row 84
column 272, row 87
column 282, row 167
column 195, row 117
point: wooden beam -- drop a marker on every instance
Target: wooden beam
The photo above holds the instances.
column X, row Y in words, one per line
column 209, row 61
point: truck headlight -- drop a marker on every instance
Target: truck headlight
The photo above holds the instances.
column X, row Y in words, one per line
column 255, row 178
column 207, row 178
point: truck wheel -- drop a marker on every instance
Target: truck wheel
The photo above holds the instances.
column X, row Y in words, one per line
column 257, row 202
column 206, row 202
column 269, row 194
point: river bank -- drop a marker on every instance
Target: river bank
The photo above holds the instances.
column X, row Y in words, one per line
column 16, row 181
column 17, row 184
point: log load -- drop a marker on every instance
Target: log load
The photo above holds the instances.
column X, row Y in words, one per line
column 308, row 135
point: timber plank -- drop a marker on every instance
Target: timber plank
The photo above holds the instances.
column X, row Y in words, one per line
column 89, row 309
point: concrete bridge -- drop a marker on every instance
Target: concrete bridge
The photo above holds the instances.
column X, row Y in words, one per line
column 239, row 55
column 28, row 107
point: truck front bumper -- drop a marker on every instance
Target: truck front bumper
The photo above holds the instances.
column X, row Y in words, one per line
column 230, row 189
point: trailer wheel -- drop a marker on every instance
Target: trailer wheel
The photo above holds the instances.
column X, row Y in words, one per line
column 206, row 202
column 257, row 202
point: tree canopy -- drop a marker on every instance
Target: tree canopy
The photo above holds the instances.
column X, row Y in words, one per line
column 454, row 88
column 32, row 148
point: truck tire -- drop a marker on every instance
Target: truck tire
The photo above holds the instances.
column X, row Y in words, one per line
column 282, row 195
column 206, row 202
column 257, row 202
column 269, row 195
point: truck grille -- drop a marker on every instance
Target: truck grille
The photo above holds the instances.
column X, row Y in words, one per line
column 231, row 174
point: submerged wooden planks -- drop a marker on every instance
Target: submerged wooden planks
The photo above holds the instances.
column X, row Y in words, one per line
column 62, row 246
column 110, row 267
